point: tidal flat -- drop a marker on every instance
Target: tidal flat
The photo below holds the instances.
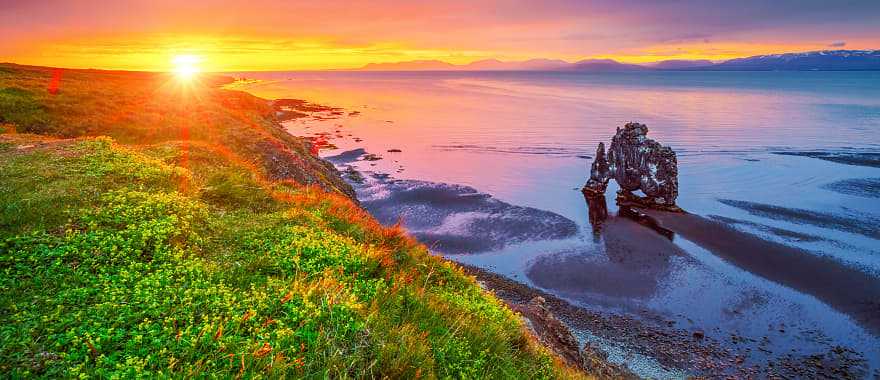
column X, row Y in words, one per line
column 780, row 204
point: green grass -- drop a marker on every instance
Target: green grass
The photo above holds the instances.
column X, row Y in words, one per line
column 180, row 259
column 19, row 106
column 149, row 108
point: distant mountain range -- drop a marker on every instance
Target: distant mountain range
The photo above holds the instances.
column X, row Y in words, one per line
column 678, row 64
column 815, row 60
column 484, row 65
column 496, row 65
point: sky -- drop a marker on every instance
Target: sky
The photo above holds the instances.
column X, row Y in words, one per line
column 240, row 35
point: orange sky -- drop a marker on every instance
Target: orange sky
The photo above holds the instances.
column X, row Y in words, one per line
column 239, row 35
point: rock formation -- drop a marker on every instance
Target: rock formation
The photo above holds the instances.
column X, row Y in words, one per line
column 599, row 173
column 636, row 162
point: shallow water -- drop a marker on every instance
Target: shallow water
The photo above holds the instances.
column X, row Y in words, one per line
column 764, row 152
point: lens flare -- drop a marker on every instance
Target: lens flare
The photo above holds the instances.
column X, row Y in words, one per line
column 186, row 66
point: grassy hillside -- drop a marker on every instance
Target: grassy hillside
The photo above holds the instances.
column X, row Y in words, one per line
column 140, row 109
column 177, row 247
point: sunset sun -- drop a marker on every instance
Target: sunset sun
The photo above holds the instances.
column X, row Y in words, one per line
column 186, row 66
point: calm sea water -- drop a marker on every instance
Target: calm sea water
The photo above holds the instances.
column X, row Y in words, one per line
column 524, row 138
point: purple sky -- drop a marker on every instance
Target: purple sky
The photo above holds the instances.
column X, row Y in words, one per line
column 309, row 34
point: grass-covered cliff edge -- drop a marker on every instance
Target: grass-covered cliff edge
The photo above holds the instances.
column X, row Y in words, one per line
column 155, row 228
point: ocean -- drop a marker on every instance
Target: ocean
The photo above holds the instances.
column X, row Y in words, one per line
column 490, row 165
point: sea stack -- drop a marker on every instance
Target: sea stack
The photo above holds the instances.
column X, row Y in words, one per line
column 636, row 162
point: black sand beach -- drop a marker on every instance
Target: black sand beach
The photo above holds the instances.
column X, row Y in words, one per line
column 847, row 289
column 603, row 290
column 635, row 261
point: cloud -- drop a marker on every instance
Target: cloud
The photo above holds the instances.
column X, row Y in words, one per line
column 358, row 30
column 837, row 44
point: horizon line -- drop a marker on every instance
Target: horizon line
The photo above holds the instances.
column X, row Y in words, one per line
column 647, row 64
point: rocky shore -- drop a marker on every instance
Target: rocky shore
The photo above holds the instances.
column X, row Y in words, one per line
column 585, row 293
column 676, row 349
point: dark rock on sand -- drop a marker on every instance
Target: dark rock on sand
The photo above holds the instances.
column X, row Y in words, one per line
column 870, row 159
column 347, row 156
column 789, row 235
column 455, row 219
column 853, row 222
column 289, row 115
column 860, row 187
column 352, row 175
column 302, row 106
column 636, row 162
column 852, row 291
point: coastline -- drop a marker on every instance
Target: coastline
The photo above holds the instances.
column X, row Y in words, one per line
column 718, row 357
column 662, row 349
column 214, row 243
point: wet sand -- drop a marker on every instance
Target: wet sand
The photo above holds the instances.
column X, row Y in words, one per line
column 449, row 218
column 852, row 221
column 859, row 187
column 608, row 289
column 868, row 159
column 846, row 289
column 636, row 260
column 633, row 256
column 788, row 235
column 456, row 219
column 673, row 347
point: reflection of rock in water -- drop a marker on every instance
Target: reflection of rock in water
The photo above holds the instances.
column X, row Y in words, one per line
column 636, row 162
column 456, row 219
column 645, row 220
column 598, row 211
column 634, row 262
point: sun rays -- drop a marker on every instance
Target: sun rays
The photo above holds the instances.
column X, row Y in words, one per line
column 186, row 67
